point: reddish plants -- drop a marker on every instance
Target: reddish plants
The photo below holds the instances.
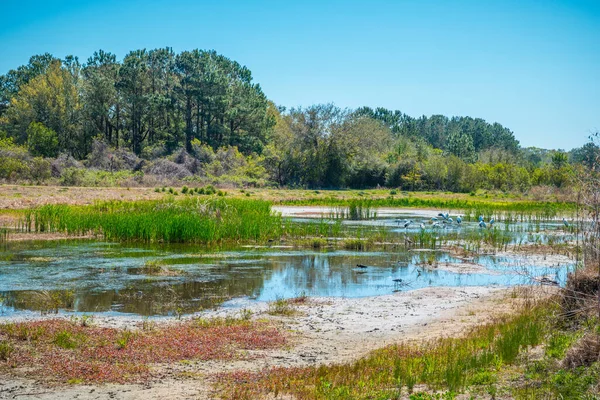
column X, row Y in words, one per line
column 64, row 351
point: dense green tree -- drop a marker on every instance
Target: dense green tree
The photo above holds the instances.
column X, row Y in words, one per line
column 588, row 155
column 461, row 145
column 102, row 107
column 53, row 99
column 11, row 83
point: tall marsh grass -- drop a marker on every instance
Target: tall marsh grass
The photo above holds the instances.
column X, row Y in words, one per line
column 189, row 220
column 356, row 210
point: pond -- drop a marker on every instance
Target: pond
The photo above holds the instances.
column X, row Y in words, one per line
column 99, row 277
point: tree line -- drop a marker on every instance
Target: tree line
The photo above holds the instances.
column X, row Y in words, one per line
column 199, row 114
column 151, row 98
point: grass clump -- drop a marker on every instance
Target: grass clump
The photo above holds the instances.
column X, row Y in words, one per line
column 282, row 307
column 6, row 349
column 355, row 244
column 66, row 340
column 158, row 268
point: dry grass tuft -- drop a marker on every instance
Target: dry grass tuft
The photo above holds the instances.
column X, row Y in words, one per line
column 580, row 292
column 584, row 353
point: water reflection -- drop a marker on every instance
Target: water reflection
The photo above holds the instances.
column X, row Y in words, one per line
column 104, row 277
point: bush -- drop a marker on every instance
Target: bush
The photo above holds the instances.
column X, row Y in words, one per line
column 203, row 152
column 41, row 141
column 167, row 169
column 107, row 159
column 72, row 177
column 40, row 169
column 182, row 157
column 13, row 161
column 63, row 162
column 154, row 152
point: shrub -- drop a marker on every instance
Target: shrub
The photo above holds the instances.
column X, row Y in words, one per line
column 41, row 141
column 40, row 169
column 183, row 158
column 203, row 152
column 13, row 160
column 72, row 177
column 104, row 158
column 167, row 169
column 13, row 168
column 62, row 162
column 585, row 352
column 155, row 151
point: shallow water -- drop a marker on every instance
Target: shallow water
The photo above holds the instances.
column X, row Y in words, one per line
column 88, row 276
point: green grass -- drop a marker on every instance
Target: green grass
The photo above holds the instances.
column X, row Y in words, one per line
column 446, row 364
column 188, row 220
column 6, row 349
column 282, row 307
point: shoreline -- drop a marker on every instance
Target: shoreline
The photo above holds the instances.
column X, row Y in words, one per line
column 324, row 331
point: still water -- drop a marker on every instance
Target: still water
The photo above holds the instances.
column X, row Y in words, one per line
column 89, row 276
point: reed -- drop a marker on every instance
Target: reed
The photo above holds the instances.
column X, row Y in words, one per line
column 189, row 220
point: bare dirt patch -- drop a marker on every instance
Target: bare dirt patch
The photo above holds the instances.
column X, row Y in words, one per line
column 15, row 197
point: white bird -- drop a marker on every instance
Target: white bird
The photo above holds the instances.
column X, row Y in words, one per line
column 433, row 219
column 422, row 225
column 566, row 222
column 492, row 221
column 450, row 220
column 441, row 215
column 407, row 223
column 482, row 224
column 480, row 218
column 458, row 220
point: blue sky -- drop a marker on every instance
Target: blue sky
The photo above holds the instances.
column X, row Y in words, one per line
column 533, row 66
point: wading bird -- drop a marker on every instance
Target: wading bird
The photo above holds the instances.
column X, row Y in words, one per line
column 482, row 224
column 458, row 220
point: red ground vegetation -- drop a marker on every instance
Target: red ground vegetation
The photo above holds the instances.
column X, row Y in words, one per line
column 65, row 351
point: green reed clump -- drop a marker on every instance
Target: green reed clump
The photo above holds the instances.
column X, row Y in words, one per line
column 356, row 210
column 189, row 220
column 444, row 364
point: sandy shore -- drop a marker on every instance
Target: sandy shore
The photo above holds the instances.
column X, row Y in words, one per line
column 326, row 330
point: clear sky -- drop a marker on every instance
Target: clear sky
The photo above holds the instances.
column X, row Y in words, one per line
column 533, row 66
